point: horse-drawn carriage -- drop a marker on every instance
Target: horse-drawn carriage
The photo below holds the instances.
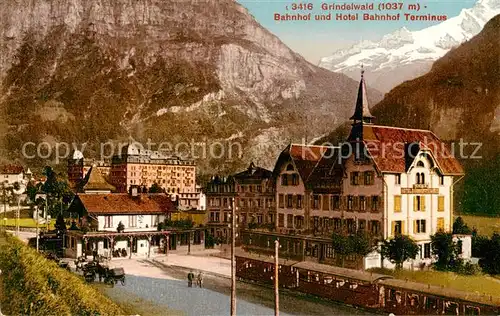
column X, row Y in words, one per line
column 110, row 276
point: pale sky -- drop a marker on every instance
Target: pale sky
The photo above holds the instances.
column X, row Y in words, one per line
column 316, row 39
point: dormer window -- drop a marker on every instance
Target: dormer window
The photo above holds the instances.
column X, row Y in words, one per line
column 289, row 167
column 420, row 164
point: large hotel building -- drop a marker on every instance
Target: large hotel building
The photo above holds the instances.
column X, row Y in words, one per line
column 383, row 181
column 140, row 168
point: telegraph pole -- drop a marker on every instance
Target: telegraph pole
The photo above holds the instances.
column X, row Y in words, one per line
column 233, row 263
column 37, row 233
column 276, row 282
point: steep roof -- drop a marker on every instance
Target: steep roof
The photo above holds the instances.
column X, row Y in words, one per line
column 304, row 157
column 386, row 146
column 11, row 169
column 254, row 172
column 362, row 110
column 94, row 181
column 123, row 203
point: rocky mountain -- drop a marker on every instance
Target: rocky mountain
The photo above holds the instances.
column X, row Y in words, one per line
column 192, row 71
column 405, row 55
column 459, row 99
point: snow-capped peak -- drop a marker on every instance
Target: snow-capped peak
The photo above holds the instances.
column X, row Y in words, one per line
column 403, row 47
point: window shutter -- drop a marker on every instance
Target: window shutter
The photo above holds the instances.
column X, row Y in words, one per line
column 440, row 203
column 393, row 229
column 403, row 228
column 294, row 201
column 414, row 226
column 368, row 200
column 422, row 200
column 415, row 204
column 397, row 203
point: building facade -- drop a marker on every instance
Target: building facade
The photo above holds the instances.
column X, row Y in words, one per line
column 251, row 192
column 138, row 167
column 383, row 181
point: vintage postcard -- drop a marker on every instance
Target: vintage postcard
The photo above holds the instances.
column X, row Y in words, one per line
column 249, row 157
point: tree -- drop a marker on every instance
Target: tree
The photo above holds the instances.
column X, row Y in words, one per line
column 120, row 228
column 399, row 249
column 155, row 188
column 60, row 225
column 446, row 250
column 341, row 245
column 490, row 260
column 57, row 192
column 345, row 244
column 459, row 227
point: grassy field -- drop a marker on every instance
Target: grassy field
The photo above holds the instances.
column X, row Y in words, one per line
column 480, row 284
column 484, row 225
column 26, row 222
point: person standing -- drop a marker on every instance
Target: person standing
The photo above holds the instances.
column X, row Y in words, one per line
column 190, row 278
column 200, row 279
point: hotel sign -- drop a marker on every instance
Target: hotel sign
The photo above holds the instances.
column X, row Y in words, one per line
column 419, row 191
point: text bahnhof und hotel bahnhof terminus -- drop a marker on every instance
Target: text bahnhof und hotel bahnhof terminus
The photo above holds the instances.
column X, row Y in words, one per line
column 394, row 11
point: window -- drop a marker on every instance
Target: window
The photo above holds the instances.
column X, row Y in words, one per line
column 155, row 219
column 375, row 227
column 419, row 226
column 335, row 202
column 281, row 201
column 259, row 218
column 427, row 250
column 440, row 203
column 132, row 221
column 284, row 179
column 289, row 201
column 420, row 178
column 420, row 164
column 355, row 178
column 419, row 203
column 299, row 201
column 108, row 221
column 289, row 167
column 315, row 202
column 281, row 220
column 362, row 225
column 350, row 226
column 369, row 177
column 440, row 224
column 441, row 180
column 375, row 203
column 337, row 223
column 289, row 221
column 325, row 204
column 397, row 227
column 295, row 179
column 259, row 188
column 397, row 203
column 350, row 202
column 362, row 203
column 397, row 179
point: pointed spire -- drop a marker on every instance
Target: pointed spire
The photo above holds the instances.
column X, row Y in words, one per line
column 362, row 111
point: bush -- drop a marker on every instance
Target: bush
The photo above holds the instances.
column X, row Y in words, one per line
column 33, row 285
column 469, row 268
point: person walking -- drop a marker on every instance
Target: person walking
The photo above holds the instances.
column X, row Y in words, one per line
column 200, row 279
column 190, row 278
